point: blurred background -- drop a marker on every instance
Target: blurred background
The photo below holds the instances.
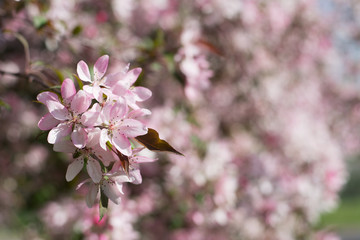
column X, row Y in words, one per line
column 262, row 98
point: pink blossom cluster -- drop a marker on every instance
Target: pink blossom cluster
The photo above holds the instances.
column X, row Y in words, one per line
column 258, row 95
column 98, row 125
column 193, row 63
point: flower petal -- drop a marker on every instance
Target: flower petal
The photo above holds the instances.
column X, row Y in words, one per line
column 97, row 93
column 58, row 110
column 118, row 110
column 91, row 195
column 121, row 143
column 143, row 159
column 103, row 138
column 81, row 102
column 105, row 113
column 79, row 137
column 68, row 89
column 111, row 79
column 131, row 77
column 119, row 89
column 74, row 168
column 58, row 133
column 46, row 96
column 112, row 190
column 132, row 128
column 94, row 170
column 88, row 89
column 83, row 183
column 83, row 71
column 48, row 122
column 141, row 93
column 100, row 67
column 121, row 177
column 135, row 176
column 141, row 112
column 91, row 117
column 64, row 145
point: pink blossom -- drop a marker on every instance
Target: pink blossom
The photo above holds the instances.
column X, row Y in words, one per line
column 64, row 116
column 95, row 80
column 121, row 86
column 110, row 185
column 118, row 128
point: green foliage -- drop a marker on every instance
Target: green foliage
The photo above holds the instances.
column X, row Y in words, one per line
column 39, row 21
column 104, row 201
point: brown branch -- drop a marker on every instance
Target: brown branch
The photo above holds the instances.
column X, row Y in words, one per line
column 32, row 76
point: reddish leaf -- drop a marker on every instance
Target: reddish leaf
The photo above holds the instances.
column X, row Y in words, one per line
column 210, row 47
column 152, row 141
column 124, row 161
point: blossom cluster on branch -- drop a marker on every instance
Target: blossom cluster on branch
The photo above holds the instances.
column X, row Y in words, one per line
column 261, row 97
column 99, row 125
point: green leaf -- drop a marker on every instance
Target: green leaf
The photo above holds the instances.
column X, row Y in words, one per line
column 76, row 154
column 78, row 81
column 58, row 73
column 5, row 105
column 152, row 141
column 77, row 30
column 39, row 21
column 104, row 202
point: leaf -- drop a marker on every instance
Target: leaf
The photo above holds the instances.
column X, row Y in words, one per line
column 39, row 22
column 210, row 47
column 152, row 141
column 5, row 105
column 81, row 85
column 77, row 30
column 104, row 201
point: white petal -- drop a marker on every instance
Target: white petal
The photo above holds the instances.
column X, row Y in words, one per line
column 94, row 170
column 81, row 102
column 118, row 111
column 79, row 137
column 112, row 190
column 48, row 122
column 143, row 159
column 135, row 176
column 82, row 183
column 141, row 93
column 105, row 113
column 132, row 76
column 103, row 138
column 141, row 112
column 91, row 195
column 46, row 96
column 132, row 128
column 74, row 168
column 68, row 89
column 121, row 143
column 100, row 67
column 83, row 71
column 58, row 133
column 90, row 118
column 58, row 110
column 64, row 145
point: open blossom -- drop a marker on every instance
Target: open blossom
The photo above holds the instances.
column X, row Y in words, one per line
column 97, row 79
column 121, row 86
column 92, row 154
column 64, row 116
column 134, row 168
column 118, row 128
column 96, row 125
column 110, row 185
column 114, row 86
